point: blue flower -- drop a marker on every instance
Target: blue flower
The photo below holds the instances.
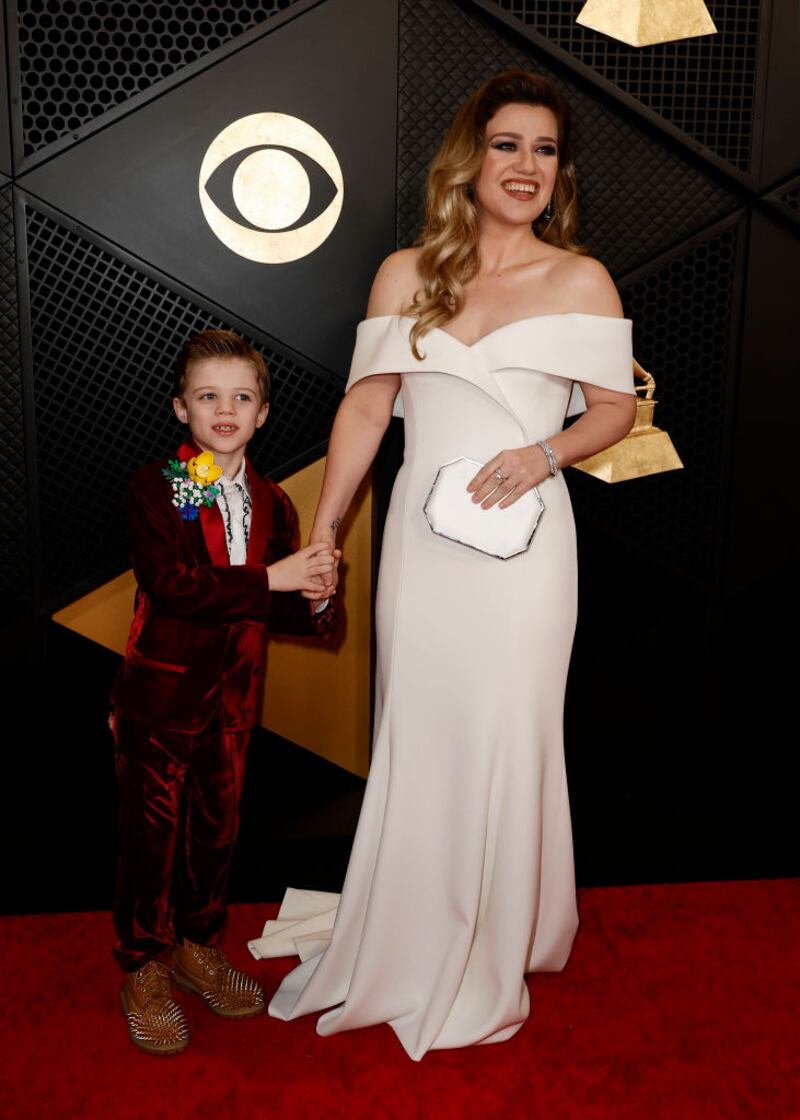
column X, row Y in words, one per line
column 189, row 512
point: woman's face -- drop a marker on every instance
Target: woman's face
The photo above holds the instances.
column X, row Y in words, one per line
column 518, row 174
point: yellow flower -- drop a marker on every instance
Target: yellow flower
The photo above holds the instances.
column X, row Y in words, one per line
column 203, row 470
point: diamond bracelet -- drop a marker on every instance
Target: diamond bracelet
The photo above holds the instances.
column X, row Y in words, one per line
column 551, row 458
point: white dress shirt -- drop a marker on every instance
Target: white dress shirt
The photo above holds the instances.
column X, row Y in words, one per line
column 236, row 507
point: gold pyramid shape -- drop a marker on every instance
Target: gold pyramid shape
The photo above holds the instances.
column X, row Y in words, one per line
column 641, row 23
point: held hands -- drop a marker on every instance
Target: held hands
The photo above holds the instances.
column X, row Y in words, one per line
column 311, row 570
column 325, row 584
column 508, row 476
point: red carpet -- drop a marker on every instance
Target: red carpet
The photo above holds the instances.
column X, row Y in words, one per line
column 679, row 1002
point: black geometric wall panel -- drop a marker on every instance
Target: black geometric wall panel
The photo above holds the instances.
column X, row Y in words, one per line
column 764, row 497
column 105, row 338
column 791, row 198
column 78, row 58
column 705, row 86
column 136, row 181
column 637, row 196
column 15, row 565
column 780, row 148
column 684, row 310
column 786, row 199
column 5, row 105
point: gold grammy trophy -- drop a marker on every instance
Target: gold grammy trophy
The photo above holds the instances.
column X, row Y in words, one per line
column 644, row 450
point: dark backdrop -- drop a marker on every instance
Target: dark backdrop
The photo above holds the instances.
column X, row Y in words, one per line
column 679, row 758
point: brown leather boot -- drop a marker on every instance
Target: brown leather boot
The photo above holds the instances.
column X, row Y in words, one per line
column 206, row 970
column 156, row 1023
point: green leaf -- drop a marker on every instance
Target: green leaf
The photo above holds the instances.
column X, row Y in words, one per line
column 173, row 470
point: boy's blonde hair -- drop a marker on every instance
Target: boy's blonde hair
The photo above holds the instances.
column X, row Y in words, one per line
column 219, row 344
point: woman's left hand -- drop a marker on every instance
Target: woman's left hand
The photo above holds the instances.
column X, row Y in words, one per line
column 508, row 476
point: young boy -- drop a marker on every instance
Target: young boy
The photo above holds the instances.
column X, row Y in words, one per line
column 212, row 546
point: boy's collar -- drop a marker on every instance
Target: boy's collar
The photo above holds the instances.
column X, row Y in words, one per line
column 187, row 451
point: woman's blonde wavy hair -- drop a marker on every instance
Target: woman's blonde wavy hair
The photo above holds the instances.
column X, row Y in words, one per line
column 449, row 256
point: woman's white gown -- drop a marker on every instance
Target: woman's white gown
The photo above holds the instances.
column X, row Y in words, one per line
column 461, row 877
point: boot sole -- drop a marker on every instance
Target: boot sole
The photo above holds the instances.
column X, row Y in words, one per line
column 156, row 1051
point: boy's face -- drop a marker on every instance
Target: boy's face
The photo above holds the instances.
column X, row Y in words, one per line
column 222, row 405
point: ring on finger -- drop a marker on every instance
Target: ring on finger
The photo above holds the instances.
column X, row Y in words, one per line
column 498, row 474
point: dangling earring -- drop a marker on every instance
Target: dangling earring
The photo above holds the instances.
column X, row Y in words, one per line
column 548, row 210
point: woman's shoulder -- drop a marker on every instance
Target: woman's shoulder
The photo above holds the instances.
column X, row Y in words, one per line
column 395, row 284
column 583, row 284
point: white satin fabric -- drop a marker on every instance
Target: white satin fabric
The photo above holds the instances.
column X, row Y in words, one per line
column 461, row 877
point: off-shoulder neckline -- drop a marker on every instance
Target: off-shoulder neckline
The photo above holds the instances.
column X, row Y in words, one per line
column 503, row 326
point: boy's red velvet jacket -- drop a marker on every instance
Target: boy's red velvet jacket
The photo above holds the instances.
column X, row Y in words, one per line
column 198, row 638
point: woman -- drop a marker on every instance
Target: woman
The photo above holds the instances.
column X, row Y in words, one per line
column 461, row 878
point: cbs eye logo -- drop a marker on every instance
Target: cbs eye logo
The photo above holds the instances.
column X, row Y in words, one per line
column 271, row 187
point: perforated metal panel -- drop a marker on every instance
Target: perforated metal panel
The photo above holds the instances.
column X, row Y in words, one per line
column 637, row 197
column 5, row 119
column 105, row 338
column 705, row 86
column 78, row 58
column 15, row 567
column 682, row 314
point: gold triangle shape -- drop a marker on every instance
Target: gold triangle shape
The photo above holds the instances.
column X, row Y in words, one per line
column 641, row 23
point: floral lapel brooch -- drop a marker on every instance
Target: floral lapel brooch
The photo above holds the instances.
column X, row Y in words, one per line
column 193, row 483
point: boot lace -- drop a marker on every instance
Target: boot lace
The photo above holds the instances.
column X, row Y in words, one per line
column 153, row 981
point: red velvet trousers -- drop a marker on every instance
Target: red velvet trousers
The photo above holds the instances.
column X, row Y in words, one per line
column 179, row 799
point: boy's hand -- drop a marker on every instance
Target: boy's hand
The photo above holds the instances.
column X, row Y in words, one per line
column 311, row 570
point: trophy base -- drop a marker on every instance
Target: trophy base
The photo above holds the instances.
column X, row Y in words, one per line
column 639, row 454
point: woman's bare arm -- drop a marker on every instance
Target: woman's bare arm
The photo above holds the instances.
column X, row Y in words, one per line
column 364, row 414
column 361, row 420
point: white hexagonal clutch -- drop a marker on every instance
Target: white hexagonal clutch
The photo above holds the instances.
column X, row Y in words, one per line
column 451, row 513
